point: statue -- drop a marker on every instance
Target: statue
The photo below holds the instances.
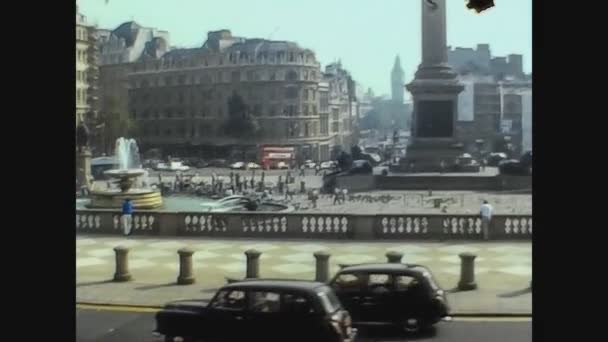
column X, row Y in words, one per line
column 82, row 137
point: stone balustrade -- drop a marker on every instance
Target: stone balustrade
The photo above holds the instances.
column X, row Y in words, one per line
column 308, row 225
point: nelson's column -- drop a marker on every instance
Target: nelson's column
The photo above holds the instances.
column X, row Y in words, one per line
column 434, row 90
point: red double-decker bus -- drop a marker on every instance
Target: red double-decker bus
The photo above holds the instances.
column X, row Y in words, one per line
column 273, row 155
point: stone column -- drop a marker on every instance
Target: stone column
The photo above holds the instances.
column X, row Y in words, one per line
column 322, row 266
column 394, row 257
column 122, row 264
column 467, row 272
column 83, row 164
column 185, row 267
column 434, row 36
column 253, row 263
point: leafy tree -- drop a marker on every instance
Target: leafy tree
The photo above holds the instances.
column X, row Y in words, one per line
column 115, row 122
column 371, row 120
column 240, row 123
column 345, row 161
column 356, row 153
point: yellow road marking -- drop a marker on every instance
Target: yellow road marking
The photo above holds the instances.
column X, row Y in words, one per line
column 493, row 319
column 143, row 309
column 116, row 308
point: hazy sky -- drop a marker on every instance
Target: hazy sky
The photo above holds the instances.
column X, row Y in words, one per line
column 365, row 34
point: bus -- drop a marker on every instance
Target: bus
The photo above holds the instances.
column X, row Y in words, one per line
column 272, row 155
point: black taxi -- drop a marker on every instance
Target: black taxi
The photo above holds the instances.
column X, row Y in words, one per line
column 390, row 293
column 260, row 310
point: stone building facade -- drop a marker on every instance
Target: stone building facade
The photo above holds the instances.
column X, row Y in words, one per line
column 491, row 115
column 480, row 61
column 86, row 68
column 180, row 100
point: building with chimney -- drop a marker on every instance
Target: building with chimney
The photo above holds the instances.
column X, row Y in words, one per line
column 180, row 100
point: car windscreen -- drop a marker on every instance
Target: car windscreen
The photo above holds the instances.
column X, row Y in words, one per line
column 330, row 302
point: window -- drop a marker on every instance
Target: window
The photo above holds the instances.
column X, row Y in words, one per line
column 292, row 76
column 296, row 304
column 348, row 281
column 329, row 300
column 378, row 280
column 250, row 75
column 273, row 76
column 291, row 57
column 231, row 300
column 264, row 302
column 273, row 110
column 307, row 130
column 236, row 76
column 335, row 127
column 305, row 110
column 291, row 92
column 404, row 282
column 314, row 95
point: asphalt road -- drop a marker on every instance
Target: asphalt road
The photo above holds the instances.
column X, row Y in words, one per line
column 112, row 325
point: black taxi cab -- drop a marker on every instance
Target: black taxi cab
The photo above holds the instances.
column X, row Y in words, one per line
column 260, row 310
column 390, row 293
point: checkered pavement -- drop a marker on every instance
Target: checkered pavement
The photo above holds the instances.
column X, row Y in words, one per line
column 501, row 266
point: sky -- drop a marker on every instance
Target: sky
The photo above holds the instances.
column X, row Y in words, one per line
column 365, row 35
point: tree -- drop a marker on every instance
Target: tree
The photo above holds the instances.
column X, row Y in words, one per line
column 356, row 153
column 345, row 161
column 115, row 123
column 240, row 122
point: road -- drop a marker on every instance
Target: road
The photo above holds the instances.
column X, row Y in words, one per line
column 126, row 324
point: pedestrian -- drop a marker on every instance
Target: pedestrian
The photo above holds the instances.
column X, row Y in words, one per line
column 302, row 170
column 344, row 193
column 317, row 169
column 160, row 180
column 483, row 165
column 486, row 212
column 127, row 218
column 336, row 195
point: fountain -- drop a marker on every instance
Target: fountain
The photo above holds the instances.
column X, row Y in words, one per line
column 125, row 176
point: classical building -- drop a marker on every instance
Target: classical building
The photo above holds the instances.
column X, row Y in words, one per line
column 86, row 69
column 492, row 115
column 119, row 50
column 480, row 61
column 180, row 100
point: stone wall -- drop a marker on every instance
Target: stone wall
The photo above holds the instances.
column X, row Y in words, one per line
column 308, row 225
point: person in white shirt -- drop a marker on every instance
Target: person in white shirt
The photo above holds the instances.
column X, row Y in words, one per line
column 486, row 213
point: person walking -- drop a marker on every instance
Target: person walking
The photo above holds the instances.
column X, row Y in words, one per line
column 486, row 213
column 127, row 216
column 344, row 194
column 302, row 170
column 336, row 195
column 317, row 169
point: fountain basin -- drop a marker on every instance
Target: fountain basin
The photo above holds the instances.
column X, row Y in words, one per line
column 141, row 198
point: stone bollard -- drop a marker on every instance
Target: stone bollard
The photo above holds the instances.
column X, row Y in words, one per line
column 253, row 263
column 467, row 272
column 394, row 257
column 322, row 266
column 185, row 267
column 122, row 264
column 302, row 186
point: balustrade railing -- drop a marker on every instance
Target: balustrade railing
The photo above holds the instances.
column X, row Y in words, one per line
column 308, row 225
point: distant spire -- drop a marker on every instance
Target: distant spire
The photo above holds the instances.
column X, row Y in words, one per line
column 397, row 65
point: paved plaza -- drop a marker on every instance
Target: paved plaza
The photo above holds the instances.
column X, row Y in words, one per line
column 501, row 268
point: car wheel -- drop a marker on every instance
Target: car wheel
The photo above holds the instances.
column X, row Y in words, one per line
column 411, row 325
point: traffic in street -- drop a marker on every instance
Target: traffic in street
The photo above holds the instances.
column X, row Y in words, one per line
column 120, row 324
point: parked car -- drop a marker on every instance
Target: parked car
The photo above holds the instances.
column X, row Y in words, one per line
column 238, row 166
column 260, row 310
column 514, row 167
column 327, row 165
column 360, row 167
column 253, row 166
column 282, row 165
column 309, row 164
column 218, row 163
column 495, row 158
column 389, row 293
